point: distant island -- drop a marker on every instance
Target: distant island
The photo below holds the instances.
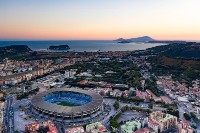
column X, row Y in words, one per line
column 59, row 47
column 138, row 39
column 146, row 39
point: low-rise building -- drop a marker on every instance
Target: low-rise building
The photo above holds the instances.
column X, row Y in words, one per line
column 153, row 125
column 184, row 127
column 165, row 99
column 142, row 95
column 32, row 128
column 96, row 128
column 143, row 130
column 75, row 130
column 130, row 126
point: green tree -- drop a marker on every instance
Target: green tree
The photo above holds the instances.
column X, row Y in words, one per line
column 116, row 105
column 187, row 117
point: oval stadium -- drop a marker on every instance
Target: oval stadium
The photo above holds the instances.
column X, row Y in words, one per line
column 67, row 105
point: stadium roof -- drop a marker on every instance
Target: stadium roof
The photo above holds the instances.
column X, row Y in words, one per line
column 39, row 102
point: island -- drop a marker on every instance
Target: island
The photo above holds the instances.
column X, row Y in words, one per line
column 59, row 47
column 146, row 39
column 143, row 39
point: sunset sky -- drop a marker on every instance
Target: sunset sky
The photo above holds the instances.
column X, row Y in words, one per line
column 99, row 19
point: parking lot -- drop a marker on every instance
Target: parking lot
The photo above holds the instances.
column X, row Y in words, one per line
column 131, row 115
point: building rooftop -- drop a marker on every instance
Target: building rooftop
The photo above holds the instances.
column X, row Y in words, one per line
column 129, row 127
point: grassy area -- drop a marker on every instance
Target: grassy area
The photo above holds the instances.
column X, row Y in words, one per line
column 67, row 104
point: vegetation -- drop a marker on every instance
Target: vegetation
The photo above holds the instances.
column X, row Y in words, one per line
column 113, row 121
column 191, row 100
column 123, row 72
column 182, row 70
column 127, row 100
column 116, row 105
column 151, row 105
column 13, row 51
column 194, row 116
column 66, row 104
column 179, row 50
column 141, row 109
column 179, row 59
column 26, row 94
column 151, row 85
column 187, row 117
column 173, row 112
column 193, row 126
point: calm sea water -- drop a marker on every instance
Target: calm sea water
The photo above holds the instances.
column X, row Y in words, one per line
column 83, row 45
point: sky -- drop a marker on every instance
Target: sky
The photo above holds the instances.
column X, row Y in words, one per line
column 99, row 19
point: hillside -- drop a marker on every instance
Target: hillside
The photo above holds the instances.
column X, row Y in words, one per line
column 190, row 50
column 13, row 50
column 182, row 60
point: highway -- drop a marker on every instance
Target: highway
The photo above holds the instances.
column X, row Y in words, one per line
column 8, row 122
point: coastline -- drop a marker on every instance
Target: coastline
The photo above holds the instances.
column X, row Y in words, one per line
column 82, row 46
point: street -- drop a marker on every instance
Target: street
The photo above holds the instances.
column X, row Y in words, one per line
column 8, row 116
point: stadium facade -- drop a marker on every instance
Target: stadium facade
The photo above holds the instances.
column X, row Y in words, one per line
column 81, row 106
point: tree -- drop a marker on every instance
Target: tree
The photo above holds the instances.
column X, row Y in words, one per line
column 116, row 105
column 187, row 117
column 195, row 127
column 151, row 105
column 194, row 116
column 114, row 123
column 57, row 80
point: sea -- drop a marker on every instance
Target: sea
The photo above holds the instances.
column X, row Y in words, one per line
column 83, row 45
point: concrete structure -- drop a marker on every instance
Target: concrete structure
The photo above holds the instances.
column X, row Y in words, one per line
column 165, row 99
column 153, row 125
column 184, row 127
column 88, row 105
column 143, row 130
column 142, row 95
column 32, row 128
column 165, row 121
column 198, row 110
column 182, row 99
column 96, row 127
column 1, row 115
column 75, row 130
column 131, row 126
column 153, row 96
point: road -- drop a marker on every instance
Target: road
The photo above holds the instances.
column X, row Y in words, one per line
column 8, row 116
column 113, row 112
column 60, row 127
column 183, row 109
column 181, row 112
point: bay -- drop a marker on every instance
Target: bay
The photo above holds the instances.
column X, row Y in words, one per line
column 83, row 45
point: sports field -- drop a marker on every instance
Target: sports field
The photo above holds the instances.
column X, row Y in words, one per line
column 67, row 104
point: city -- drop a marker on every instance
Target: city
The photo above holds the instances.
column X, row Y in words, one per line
column 126, row 96
column 109, row 66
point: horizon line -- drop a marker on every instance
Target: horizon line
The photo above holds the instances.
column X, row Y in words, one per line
column 12, row 40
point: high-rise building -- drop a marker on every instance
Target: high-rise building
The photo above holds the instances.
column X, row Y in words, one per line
column 165, row 121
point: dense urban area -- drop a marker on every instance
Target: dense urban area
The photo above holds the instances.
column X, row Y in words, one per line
column 149, row 91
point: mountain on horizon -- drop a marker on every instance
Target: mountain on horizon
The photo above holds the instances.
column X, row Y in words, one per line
column 138, row 39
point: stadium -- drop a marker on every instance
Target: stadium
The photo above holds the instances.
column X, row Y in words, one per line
column 68, row 105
